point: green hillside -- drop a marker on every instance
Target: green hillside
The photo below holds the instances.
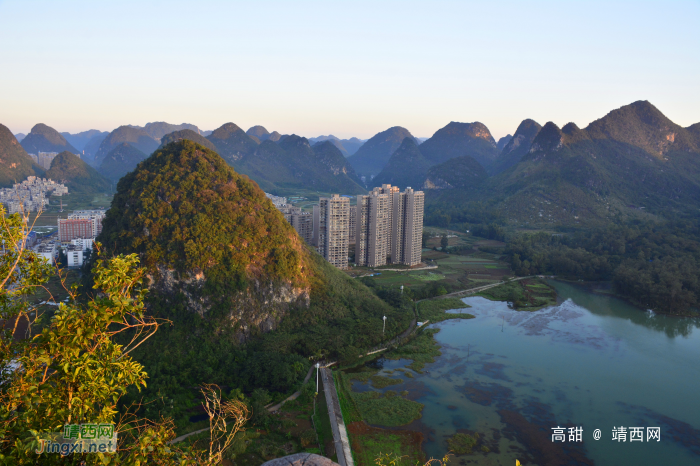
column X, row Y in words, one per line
column 77, row 175
column 249, row 301
column 43, row 138
column 374, row 154
column 135, row 137
column 633, row 163
column 458, row 140
column 517, row 146
column 460, row 172
column 120, row 161
column 190, row 136
column 406, row 167
column 15, row 164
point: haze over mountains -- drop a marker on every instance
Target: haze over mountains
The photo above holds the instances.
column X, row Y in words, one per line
column 634, row 156
column 43, row 138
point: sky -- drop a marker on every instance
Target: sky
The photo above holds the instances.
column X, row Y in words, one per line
column 348, row 68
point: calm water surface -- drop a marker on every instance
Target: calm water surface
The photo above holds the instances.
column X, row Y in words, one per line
column 592, row 361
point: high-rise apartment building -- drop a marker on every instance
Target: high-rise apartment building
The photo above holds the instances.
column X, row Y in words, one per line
column 389, row 225
column 333, row 226
column 301, row 221
column 373, row 229
column 407, row 230
column 352, row 226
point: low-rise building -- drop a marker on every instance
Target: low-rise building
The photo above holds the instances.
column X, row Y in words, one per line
column 75, row 255
column 47, row 251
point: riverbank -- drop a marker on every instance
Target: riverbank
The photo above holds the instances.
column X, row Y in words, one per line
column 379, row 405
column 530, row 294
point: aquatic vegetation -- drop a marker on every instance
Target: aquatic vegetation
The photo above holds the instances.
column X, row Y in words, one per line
column 462, row 444
column 434, row 310
column 379, row 381
column 422, row 350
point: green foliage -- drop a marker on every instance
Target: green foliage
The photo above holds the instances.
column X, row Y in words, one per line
column 73, row 371
column 379, row 381
column 422, row 349
column 655, row 265
column 185, row 209
column 16, row 163
column 77, row 175
column 434, row 310
column 443, row 242
column 459, row 172
column 531, row 294
column 389, row 410
column 462, row 444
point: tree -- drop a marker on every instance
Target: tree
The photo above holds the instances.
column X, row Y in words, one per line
column 443, row 242
column 74, row 371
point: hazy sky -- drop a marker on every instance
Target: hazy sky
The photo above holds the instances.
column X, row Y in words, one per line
column 348, row 68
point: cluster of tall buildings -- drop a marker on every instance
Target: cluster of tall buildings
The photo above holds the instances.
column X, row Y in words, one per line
column 386, row 227
column 30, row 195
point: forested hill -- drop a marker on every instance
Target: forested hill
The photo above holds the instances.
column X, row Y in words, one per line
column 248, row 299
column 288, row 163
column 15, row 163
column 77, row 175
column 634, row 163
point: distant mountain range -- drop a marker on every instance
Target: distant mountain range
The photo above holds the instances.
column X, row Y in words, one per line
column 347, row 147
column 374, row 154
column 43, row 138
column 633, row 162
column 290, row 162
column 80, row 140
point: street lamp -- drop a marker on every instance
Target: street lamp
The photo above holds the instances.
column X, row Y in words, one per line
column 318, row 365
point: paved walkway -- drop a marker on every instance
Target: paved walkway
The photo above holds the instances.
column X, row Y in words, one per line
column 340, row 434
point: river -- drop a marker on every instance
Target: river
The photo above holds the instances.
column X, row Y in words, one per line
column 592, row 361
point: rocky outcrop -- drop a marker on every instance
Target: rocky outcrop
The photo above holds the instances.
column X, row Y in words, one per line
column 257, row 309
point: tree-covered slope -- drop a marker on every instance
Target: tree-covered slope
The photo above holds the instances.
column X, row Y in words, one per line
column 43, row 138
column 406, row 167
column 135, row 137
column 258, row 132
column 459, row 172
column 502, row 142
column 642, row 125
column 232, row 143
column 633, row 164
column 374, row 154
column 517, row 146
column 190, row 136
column 228, row 270
column 92, row 146
column 15, row 163
column 458, row 140
column 77, row 175
column 120, row 161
